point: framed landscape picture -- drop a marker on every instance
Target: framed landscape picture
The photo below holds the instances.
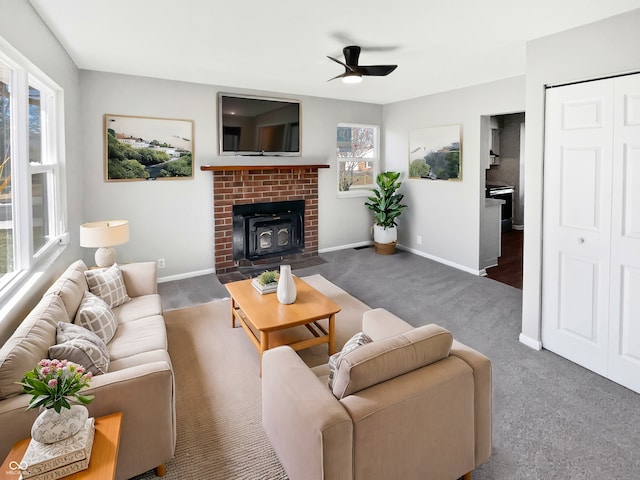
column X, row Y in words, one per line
column 434, row 153
column 147, row 148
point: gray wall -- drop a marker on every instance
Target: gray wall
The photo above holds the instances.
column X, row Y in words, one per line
column 596, row 50
column 21, row 27
column 173, row 219
column 446, row 214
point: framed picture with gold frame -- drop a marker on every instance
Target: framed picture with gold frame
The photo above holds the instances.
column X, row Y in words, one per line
column 435, row 153
column 147, row 148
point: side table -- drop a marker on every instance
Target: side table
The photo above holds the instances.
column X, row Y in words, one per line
column 104, row 454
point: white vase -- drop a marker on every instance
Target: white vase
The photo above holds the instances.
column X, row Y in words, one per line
column 286, row 286
column 51, row 426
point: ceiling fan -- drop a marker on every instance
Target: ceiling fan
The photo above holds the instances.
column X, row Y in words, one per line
column 353, row 72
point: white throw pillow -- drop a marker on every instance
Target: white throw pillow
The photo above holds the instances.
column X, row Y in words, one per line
column 79, row 345
column 108, row 284
column 95, row 315
column 354, row 342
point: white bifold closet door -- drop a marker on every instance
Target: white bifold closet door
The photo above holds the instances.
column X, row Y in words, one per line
column 591, row 226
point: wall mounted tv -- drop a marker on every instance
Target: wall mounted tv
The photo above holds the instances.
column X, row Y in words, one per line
column 251, row 125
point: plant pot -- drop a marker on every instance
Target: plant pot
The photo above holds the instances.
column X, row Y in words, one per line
column 385, row 248
column 385, row 239
column 51, row 426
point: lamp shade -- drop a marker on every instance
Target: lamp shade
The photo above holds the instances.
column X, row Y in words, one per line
column 105, row 233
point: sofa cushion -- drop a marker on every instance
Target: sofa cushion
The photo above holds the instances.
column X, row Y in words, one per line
column 143, row 335
column 95, row 315
column 70, row 286
column 139, row 307
column 390, row 357
column 29, row 343
column 108, row 284
column 81, row 346
column 354, row 342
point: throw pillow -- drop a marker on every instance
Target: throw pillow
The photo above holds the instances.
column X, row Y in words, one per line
column 354, row 342
column 95, row 315
column 81, row 346
column 108, row 284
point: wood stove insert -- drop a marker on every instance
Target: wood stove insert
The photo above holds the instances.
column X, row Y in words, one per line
column 270, row 229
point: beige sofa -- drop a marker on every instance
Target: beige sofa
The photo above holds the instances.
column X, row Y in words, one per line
column 139, row 380
column 412, row 404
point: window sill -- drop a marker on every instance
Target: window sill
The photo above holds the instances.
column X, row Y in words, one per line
column 16, row 292
column 363, row 193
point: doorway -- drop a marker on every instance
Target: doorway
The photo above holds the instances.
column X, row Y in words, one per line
column 504, row 180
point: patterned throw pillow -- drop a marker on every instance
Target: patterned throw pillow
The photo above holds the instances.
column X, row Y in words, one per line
column 95, row 315
column 81, row 346
column 354, row 342
column 108, row 284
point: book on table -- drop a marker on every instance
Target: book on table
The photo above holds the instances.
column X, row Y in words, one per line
column 43, row 461
column 268, row 288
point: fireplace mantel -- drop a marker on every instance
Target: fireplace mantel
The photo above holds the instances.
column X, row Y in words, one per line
column 227, row 168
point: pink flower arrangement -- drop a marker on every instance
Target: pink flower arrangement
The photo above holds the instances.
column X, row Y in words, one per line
column 56, row 383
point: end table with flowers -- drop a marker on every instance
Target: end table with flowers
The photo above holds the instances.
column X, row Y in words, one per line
column 55, row 386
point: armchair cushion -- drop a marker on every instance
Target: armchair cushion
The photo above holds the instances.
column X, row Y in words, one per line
column 390, row 357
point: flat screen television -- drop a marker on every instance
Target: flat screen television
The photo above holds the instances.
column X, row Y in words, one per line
column 250, row 125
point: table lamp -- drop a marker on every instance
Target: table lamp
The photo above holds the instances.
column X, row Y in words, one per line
column 104, row 235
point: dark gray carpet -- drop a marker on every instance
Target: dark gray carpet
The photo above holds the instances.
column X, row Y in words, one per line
column 552, row 419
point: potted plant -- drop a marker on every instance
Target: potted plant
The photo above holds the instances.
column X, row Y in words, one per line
column 55, row 385
column 387, row 206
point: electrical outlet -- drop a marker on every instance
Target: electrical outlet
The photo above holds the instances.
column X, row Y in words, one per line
column 161, row 263
column 419, row 239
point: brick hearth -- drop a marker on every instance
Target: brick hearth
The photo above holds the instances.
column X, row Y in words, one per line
column 244, row 186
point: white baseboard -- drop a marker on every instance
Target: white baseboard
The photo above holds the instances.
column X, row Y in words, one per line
column 517, row 227
column 442, row 260
column 530, row 342
column 182, row 276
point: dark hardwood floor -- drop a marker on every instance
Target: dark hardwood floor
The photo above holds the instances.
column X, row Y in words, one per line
column 509, row 268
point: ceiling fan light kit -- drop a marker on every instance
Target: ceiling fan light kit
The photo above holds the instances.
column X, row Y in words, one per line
column 352, row 78
column 353, row 72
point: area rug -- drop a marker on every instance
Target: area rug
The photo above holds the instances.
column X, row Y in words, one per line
column 218, row 390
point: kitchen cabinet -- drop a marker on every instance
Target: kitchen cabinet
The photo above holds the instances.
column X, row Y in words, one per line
column 490, row 232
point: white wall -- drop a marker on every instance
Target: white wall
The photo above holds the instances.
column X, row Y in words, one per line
column 596, row 50
column 173, row 219
column 446, row 213
column 22, row 28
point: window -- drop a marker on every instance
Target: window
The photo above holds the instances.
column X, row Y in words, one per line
column 31, row 218
column 357, row 152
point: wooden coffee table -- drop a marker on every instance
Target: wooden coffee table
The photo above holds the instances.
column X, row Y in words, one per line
column 269, row 324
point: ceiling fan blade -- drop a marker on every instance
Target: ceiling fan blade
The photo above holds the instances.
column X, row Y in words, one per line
column 337, row 76
column 376, row 70
column 342, row 63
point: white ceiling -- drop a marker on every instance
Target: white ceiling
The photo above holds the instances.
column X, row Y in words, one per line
column 281, row 45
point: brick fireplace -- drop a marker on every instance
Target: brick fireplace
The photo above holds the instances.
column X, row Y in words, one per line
column 235, row 185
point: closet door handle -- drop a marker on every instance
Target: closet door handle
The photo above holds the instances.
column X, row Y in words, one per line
column 581, row 240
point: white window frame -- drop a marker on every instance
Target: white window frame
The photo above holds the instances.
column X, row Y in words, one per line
column 26, row 260
column 365, row 190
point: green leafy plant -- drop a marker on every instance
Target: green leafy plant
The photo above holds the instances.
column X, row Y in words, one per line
column 386, row 203
column 270, row 276
column 56, row 384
